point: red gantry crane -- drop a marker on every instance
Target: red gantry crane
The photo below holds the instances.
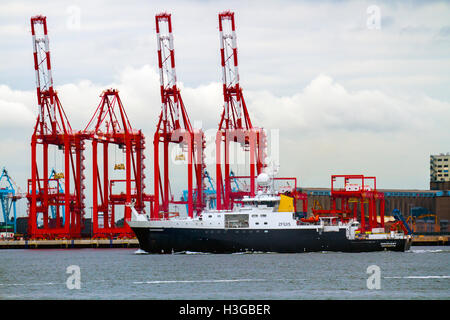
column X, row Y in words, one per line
column 53, row 129
column 358, row 194
column 110, row 126
column 174, row 127
column 235, row 123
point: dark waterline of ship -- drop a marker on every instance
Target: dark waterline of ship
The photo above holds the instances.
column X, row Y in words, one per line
column 420, row 273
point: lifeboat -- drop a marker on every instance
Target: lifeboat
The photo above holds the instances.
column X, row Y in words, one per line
column 311, row 219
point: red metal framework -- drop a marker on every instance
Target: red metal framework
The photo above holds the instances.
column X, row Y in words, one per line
column 174, row 127
column 356, row 191
column 300, row 196
column 288, row 188
column 53, row 128
column 110, row 126
column 235, row 124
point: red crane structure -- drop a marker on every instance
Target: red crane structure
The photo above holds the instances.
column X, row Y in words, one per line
column 235, row 123
column 110, row 126
column 356, row 191
column 53, row 129
column 174, row 127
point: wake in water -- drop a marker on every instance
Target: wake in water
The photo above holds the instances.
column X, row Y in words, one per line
column 428, row 251
column 190, row 252
column 140, row 251
column 197, row 281
column 252, row 252
column 419, row 277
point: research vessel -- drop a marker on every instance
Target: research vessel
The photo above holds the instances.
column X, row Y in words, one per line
column 266, row 222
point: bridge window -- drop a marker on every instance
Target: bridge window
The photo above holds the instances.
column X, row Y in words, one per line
column 236, row 221
column 269, row 204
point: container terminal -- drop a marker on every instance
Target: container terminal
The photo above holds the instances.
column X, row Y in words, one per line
column 56, row 214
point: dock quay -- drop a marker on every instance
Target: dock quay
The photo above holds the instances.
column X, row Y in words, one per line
column 71, row 243
column 430, row 240
column 418, row 240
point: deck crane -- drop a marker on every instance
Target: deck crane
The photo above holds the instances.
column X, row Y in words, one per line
column 53, row 129
column 235, row 123
column 174, row 127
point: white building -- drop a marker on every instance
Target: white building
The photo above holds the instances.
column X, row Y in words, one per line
column 439, row 167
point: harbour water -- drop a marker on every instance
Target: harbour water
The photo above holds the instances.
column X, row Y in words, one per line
column 421, row 273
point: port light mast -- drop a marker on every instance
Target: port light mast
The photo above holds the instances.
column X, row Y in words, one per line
column 53, row 129
column 235, row 124
column 174, row 127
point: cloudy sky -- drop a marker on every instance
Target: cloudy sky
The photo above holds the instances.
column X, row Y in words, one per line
column 345, row 87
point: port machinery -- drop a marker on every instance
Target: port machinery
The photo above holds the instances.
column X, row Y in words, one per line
column 400, row 223
column 58, row 187
column 209, row 193
column 235, row 124
column 53, row 129
column 9, row 194
column 174, row 128
column 110, row 126
column 353, row 196
column 412, row 219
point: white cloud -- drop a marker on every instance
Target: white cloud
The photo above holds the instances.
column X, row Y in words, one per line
column 346, row 99
column 324, row 129
column 282, row 45
column 325, row 106
column 15, row 108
